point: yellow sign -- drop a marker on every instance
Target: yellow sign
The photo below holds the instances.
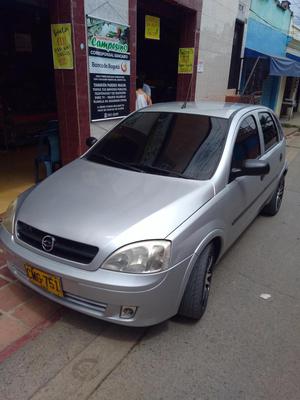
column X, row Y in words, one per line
column 152, row 27
column 186, row 60
column 61, row 35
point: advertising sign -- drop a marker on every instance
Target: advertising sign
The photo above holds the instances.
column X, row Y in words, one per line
column 61, row 35
column 109, row 68
column 186, row 60
column 152, row 27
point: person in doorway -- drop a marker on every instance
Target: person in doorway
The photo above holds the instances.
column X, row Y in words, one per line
column 146, row 87
column 142, row 99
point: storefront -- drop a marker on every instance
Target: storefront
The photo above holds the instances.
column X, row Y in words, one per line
column 27, row 92
column 271, row 21
column 86, row 80
column 160, row 34
column 148, row 38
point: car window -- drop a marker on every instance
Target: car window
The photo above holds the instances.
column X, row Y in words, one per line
column 165, row 143
column 247, row 145
column 269, row 130
column 279, row 127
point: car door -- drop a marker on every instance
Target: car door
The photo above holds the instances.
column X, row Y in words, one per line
column 243, row 192
column 273, row 150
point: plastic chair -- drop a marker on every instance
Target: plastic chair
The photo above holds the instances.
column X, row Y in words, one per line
column 48, row 151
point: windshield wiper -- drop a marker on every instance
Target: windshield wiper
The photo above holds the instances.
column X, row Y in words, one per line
column 161, row 171
column 101, row 157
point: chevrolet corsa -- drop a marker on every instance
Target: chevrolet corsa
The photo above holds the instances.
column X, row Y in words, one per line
column 130, row 231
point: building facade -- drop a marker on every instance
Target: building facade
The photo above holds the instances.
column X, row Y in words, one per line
column 267, row 37
column 182, row 48
column 290, row 88
column 222, row 33
column 179, row 24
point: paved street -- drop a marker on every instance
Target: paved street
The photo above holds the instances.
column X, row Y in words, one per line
column 245, row 347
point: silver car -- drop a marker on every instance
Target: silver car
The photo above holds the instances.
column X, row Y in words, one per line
column 130, row 231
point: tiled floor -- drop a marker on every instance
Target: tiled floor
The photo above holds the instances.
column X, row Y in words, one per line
column 16, row 173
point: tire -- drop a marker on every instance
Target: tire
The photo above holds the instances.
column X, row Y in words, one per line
column 195, row 297
column 274, row 204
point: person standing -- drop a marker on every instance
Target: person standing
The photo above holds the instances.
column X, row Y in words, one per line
column 142, row 99
column 146, row 87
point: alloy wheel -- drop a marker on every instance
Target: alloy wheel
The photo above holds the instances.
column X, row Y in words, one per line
column 279, row 194
column 207, row 279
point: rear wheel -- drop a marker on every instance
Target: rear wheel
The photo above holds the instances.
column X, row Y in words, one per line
column 273, row 206
column 194, row 301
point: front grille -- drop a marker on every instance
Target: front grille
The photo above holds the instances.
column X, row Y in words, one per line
column 64, row 248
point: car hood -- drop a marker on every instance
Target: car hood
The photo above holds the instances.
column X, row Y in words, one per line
column 109, row 207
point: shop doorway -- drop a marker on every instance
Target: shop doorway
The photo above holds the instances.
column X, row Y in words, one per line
column 27, row 92
column 157, row 59
column 290, row 100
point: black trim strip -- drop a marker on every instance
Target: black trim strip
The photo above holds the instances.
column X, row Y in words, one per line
column 256, row 198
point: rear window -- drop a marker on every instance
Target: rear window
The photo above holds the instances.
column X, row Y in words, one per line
column 269, row 130
column 174, row 144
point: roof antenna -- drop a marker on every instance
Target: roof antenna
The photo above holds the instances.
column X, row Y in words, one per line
column 188, row 92
column 190, row 84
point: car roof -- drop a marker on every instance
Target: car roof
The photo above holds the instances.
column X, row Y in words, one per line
column 209, row 108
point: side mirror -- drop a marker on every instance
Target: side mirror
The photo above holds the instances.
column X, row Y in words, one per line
column 90, row 141
column 251, row 168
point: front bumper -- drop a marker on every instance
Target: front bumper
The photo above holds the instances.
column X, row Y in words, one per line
column 102, row 293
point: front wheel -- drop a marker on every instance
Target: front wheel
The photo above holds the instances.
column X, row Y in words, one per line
column 194, row 300
column 273, row 206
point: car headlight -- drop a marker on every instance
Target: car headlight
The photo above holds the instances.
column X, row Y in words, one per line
column 9, row 216
column 140, row 258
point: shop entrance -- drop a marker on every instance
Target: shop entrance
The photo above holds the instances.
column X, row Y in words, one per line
column 157, row 59
column 291, row 95
column 27, row 93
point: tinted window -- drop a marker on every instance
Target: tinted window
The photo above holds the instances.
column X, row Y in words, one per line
column 269, row 130
column 165, row 143
column 279, row 128
column 247, row 145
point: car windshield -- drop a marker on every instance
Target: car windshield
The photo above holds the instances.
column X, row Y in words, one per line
column 164, row 143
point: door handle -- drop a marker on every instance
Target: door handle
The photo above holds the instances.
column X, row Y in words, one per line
column 280, row 157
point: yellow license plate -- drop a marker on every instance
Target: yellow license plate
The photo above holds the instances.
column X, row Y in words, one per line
column 46, row 281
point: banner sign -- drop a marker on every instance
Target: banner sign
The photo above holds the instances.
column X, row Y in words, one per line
column 61, row 35
column 152, row 27
column 109, row 68
column 186, row 60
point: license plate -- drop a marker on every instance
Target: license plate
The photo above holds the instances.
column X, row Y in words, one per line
column 46, row 281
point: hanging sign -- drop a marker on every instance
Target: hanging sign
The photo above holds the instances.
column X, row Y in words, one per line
column 109, row 68
column 186, row 60
column 61, row 35
column 152, row 27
